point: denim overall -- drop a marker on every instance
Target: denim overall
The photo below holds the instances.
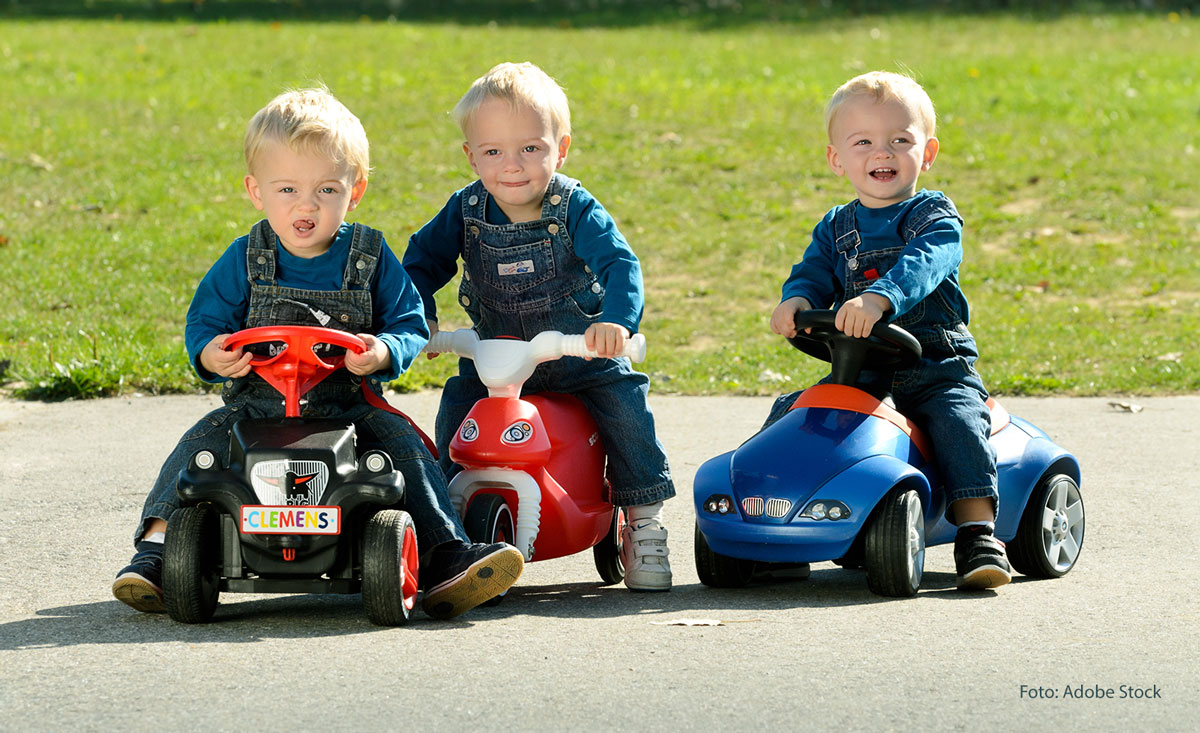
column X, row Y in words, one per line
column 524, row 278
column 943, row 393
column 337, row 396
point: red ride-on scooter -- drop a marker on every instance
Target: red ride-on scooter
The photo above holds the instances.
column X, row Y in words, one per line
column 533, row 467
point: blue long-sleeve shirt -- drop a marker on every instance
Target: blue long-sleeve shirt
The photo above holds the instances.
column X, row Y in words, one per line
column 433, row 253
column 929, row 262
column 222, row 299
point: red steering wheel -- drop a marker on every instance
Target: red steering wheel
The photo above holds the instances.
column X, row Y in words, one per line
column 296, row 369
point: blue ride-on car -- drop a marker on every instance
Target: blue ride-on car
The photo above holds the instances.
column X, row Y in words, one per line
column 844, row 477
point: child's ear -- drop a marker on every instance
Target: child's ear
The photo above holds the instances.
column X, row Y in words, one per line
column 564, row 144
column 470, row 157
column 931, row 150
column 835, row 163
column 356, row 194
column 251, row 185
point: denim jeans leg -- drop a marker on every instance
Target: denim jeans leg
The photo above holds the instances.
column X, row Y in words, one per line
column 426, row 496
column 616, row 398
column 210, row 433
column 956, row 418
column 458, row 397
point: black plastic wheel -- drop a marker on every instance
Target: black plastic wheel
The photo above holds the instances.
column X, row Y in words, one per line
column 607, row 553
column 192, row 564
column 1050, row 535
column 720, row 571
column 489, row 519
column 894, row 552
column 390, row 567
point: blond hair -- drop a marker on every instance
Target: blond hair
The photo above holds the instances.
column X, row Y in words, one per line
column 520, row 85
column 885, row 86
column 310, row 121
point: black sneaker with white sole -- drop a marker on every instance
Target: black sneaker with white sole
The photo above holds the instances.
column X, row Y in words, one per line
column 459, row 576
column 139, row 584
column 980, row 559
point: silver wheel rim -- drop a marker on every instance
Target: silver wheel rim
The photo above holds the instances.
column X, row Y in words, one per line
column 1062, row 524
column 916, row 539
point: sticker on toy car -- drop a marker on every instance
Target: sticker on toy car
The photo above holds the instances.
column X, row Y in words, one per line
column 517, row 433
column 257, row 519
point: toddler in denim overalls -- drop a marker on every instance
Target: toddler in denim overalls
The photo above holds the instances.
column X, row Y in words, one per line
column 307, row 157
column 894, row 253
column 540, row 253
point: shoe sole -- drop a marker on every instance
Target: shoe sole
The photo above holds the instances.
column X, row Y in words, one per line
column 656, row 586
column 486, row 579
column 984, row 578
column 138, row 593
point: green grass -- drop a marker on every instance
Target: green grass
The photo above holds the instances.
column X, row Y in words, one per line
column 1068, row 140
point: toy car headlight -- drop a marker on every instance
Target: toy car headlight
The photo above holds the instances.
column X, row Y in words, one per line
column 376, row 462
column 204, row 460
column 718, row 504
column 826, row 509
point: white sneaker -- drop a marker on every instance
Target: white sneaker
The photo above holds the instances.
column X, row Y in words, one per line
column 644, row 555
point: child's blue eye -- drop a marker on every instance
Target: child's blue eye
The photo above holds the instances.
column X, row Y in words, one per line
column 531, row 149
column 329, row 189
column 287, row 189
column 862, row 142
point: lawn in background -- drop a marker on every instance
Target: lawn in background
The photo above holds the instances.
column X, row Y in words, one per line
column 1068, row 140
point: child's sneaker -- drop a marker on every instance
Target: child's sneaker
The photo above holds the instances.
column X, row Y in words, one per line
column 644, row 555
column 979, row 559
column 139, row 584
column 461, row 576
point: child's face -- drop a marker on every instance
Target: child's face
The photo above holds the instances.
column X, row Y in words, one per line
column 881, row 147
column 305, row 196
column 515, row 154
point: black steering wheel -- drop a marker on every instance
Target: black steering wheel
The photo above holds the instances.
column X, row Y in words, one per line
column 889, row 348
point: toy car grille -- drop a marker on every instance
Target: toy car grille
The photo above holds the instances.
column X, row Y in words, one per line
column 752, row 506
column 778, row 507
column 282, row 482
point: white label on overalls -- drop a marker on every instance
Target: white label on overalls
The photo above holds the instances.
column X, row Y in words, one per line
column 524, row 267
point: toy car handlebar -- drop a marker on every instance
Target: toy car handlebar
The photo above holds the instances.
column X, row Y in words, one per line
column 464, row 341
column 503, row 365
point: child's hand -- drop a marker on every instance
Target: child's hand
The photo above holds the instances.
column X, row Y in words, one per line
column 783, row 320
column 606, row 339
column 858, row 316
column 432, row 330
column 231, row 364
column 375, row 358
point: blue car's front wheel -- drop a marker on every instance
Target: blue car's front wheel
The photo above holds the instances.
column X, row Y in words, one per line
column 717, row 570
column 895, row 545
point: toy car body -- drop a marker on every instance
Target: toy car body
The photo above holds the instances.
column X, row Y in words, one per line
column 845, row 477
column 298, row 509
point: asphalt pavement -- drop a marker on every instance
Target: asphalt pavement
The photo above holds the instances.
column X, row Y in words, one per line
column 1111, row 646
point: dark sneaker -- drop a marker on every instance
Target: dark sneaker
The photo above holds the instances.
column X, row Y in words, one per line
column 461, row 576
column 979, row 559
column 139, row 584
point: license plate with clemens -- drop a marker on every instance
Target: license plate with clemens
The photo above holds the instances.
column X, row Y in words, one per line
column 291, row 519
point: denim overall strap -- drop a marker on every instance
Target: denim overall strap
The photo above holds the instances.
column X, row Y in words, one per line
column 365, row 246
column 845, row 235
column 925, row 213
column 260, row 254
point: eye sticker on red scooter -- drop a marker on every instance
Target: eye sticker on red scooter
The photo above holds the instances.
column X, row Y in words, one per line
column 517, row 433
column 469, row 431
